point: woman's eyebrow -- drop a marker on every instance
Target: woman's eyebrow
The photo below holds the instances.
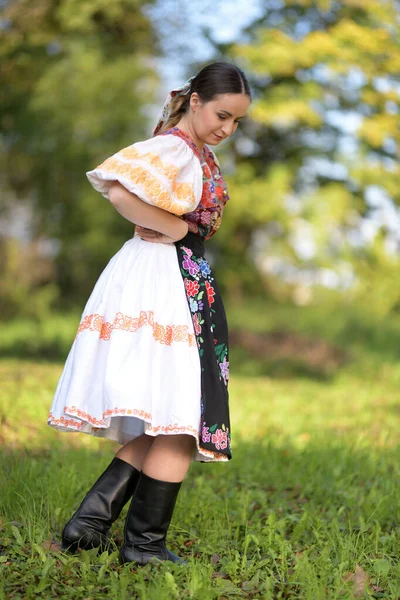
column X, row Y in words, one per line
column 229, row 114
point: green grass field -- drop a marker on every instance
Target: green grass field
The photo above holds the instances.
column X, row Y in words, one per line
column 308, row 507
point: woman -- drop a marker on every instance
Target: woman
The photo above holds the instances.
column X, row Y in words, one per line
column 149, row 365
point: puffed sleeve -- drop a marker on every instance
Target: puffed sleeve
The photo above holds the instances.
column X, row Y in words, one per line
column 162, row 171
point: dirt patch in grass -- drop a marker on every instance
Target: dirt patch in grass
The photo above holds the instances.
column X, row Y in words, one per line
column 314, row 353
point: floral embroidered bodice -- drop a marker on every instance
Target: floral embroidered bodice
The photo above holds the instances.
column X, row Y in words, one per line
column 206, row 218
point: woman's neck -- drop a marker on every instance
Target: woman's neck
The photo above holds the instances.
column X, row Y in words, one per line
column 186, row 128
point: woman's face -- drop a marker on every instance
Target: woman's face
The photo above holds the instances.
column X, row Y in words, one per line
column 213, row 121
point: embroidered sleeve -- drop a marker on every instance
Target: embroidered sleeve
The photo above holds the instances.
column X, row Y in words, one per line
column 162, row 171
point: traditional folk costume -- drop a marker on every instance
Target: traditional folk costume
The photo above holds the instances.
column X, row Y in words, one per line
column 151, row 351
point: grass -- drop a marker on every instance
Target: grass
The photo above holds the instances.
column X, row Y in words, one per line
column 308, row 508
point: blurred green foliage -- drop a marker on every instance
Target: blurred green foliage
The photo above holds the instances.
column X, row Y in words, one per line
column 77, row 79
column 26, row 286
column 321, row 141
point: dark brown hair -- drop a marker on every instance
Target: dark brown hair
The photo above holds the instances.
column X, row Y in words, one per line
column 212, row 80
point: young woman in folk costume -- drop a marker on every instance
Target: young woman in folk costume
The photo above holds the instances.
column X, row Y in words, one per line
column 149, row 365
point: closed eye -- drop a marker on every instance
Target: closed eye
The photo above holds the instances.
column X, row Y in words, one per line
column 223, row 118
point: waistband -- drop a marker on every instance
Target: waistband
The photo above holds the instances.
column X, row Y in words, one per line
column 194, row 242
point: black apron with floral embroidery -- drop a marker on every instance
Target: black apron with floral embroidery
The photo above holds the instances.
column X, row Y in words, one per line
column 210, row 327
column 205, row 302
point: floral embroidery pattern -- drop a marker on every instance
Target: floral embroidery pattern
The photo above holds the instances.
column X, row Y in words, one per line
column 190, row 266
column 85, row 418
column 152, row 158
column 204, row 267
column 171, row 195
column 205, row 219
column 204, row 301
column 164, row 334
column 210, row 293
column 197, row 324
column 192, row 287
column 205, row 434
column 220, row 437
column 205, row 304
column 175, row 428
column 224, row 366
column 63, row 422
column 114, row 412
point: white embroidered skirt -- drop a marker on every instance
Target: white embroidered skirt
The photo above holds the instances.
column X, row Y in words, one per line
column 134, row 365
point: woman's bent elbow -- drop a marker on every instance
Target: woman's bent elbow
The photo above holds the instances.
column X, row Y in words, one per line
column 114, row 192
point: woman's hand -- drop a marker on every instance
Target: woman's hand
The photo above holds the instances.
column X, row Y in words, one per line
column 149, row 235
column 154, row 220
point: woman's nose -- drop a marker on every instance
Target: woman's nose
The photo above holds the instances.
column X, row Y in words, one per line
column 228, row 128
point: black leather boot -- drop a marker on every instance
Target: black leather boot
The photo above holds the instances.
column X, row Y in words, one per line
column 90, row 524
column 147, row 522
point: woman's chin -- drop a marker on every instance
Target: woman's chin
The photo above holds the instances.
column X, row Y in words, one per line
column 213, row 140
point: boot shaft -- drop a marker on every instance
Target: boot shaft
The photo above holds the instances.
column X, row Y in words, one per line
column 148, row 520
column 102, row 505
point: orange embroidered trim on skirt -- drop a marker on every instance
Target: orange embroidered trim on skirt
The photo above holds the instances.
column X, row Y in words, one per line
column 141, row 414
column 114, row 412
column 165, row 334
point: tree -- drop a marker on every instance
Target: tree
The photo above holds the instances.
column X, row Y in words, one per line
column 76, row 80
column 321, row 146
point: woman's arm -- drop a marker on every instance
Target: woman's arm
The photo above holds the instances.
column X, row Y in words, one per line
column 137, row 211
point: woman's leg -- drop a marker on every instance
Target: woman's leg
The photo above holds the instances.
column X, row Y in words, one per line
column 135, row 451
column 164, row 457
column 169, row 457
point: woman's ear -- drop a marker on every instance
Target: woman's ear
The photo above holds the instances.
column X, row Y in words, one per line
column 195, row 101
